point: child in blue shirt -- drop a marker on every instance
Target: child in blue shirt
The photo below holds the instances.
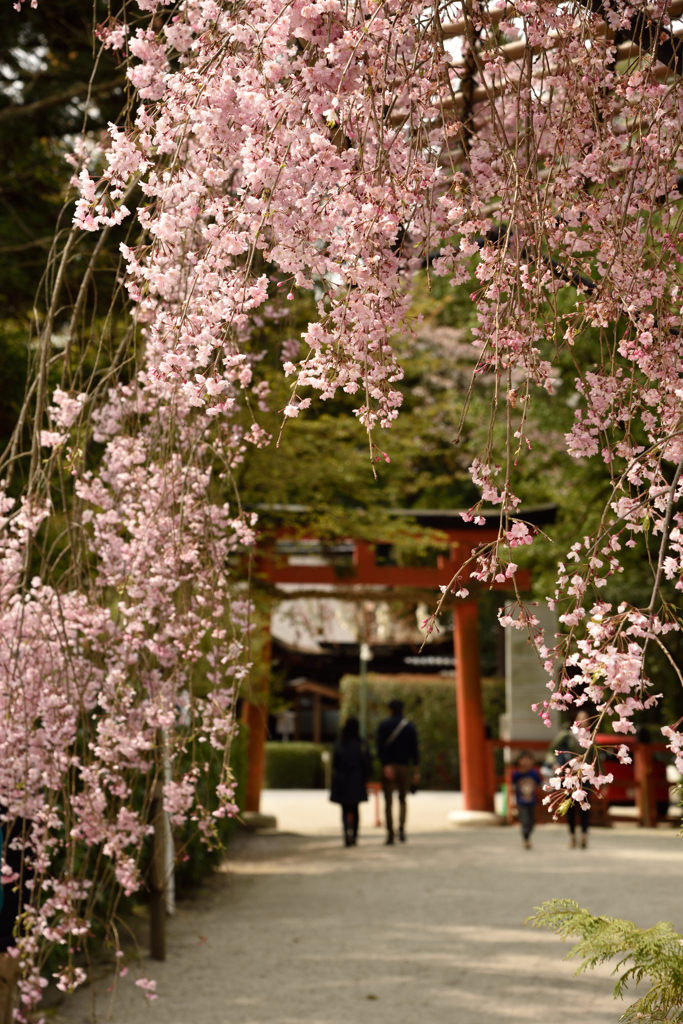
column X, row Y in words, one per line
column 527, row 783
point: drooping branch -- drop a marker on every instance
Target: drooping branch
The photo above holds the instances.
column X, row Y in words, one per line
column 13, row 111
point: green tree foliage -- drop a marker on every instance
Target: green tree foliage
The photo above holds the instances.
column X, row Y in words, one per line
column 322, row 458
column 55, row 85
column 653, row 956
column 51, row 89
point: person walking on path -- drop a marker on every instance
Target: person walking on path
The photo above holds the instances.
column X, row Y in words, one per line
column 527, row 783
column 397, row 747
column 350, row 769
column 564, row 747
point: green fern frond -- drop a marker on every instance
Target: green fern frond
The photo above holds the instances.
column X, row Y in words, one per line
column 653, row 955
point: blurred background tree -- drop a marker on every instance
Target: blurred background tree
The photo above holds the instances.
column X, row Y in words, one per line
column 49, row 94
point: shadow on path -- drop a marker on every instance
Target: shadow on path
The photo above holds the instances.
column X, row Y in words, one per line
column 298, row 930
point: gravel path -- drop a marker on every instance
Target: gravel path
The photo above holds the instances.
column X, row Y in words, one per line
column 299, row 930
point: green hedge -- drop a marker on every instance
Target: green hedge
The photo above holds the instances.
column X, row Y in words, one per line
column 295, row 765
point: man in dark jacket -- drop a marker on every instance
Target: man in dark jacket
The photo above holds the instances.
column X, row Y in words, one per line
column 397, row 747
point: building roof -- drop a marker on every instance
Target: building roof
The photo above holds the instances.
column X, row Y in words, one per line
column 442, row 518
column 308, row 686
column 451, row 519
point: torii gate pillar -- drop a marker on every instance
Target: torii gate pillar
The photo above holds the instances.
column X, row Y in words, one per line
column 256, row 717
column 255, row 711
column 475, row 772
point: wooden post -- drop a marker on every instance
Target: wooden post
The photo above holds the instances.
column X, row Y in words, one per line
column 157, row 881
column 475, row 773
column 491, row 767
column 256, row 717
column 510, row 795
column 317, row 719
column 169, row 844
column 642, row 765
column 255, row 710
column 9, row 976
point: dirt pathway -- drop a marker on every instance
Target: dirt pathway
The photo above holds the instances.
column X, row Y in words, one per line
column 300, row 930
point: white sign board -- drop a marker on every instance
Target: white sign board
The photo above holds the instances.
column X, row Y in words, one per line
column 526, row 681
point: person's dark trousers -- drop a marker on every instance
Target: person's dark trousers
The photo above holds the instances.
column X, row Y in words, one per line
column 571, row 818
column 401, row 782
column 350, row 822
column 527, row 818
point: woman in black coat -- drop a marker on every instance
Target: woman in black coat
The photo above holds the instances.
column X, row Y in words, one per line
column 350, row 769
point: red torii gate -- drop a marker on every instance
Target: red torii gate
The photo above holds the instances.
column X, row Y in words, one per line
column 463, row 537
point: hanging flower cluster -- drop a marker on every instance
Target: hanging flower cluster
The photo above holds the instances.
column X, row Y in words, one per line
column 337, row 148
column 97, row 684
column 267, row 142
column 123, row 650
